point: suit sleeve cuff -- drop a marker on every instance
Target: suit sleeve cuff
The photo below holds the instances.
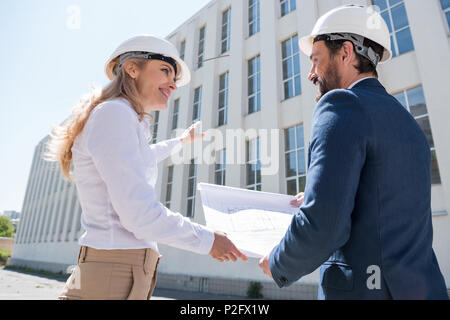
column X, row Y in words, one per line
column 279, row 279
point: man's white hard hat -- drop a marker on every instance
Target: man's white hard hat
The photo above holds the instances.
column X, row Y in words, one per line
column 151, row 44
column 365, row 22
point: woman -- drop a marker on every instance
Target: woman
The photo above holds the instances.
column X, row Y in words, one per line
column 115, row 171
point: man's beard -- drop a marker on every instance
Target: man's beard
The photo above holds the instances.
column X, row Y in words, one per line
column 330, row 81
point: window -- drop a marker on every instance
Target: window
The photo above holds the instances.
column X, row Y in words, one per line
column 182, row 49
column 223, row 99
column 176, row 108
column 291, row 67
column 254, row 85
column 253, row 165
column 169, row 186
column 294, row 153
column 394, row 13
column 445, row 4
column 287, row 6
column 253, row 17
column 154, row 129
column 219, row 167
column 192, row 183
column 226, row 19
column 197, row 104
column 201, row 47
column 414, row 101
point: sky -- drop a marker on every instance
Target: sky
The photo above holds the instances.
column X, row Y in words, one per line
column 51, row 53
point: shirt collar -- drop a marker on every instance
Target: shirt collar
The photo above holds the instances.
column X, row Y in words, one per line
column 358, row 81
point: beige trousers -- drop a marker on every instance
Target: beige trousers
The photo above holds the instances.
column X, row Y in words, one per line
column 123, row 274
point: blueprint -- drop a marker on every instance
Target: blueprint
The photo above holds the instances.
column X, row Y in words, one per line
column 255, row 221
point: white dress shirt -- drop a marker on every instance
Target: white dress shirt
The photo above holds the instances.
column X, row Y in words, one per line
column 115, row 171
column 358, row 81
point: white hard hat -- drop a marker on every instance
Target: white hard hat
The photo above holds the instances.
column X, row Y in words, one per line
column 362, row 21
column 149, row 46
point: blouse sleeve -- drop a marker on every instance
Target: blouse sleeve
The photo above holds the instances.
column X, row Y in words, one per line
column 113, row 142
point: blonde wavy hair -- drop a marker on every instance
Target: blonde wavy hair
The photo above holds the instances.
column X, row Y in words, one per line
column 62, row 137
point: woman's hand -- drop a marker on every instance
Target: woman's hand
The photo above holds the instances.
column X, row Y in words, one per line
column 189, row 134
column 298, row 202
column 224, row 250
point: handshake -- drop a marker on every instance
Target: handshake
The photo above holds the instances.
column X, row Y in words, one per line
column 223, row 249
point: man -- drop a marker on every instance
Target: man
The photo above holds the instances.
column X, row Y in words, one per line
column 366, row 215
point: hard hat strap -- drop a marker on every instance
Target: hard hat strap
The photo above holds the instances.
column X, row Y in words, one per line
column 358, row 42
column 145, row 55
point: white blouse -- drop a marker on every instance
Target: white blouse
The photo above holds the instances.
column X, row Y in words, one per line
column 115, row 171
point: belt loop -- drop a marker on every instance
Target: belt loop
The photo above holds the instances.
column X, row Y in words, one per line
column 146, row 261
column 82, row 254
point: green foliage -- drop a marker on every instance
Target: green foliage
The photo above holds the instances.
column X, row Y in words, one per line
column 40, row 272
column 6, row 227
column 4, row 254
column 254, row 290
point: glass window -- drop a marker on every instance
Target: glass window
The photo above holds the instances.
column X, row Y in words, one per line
column 219, row 167
column 253, row 17
column 291, row 67
column 197, row 104
column 182, row 49
column 295, row 159
column 287, row 6
column 201, row 47
column 176, row 108
column 192, row 185
column 169, row 186
column 154, row 127
column 445, row 4
column 414, row 101
column 223, row 99
column 253, row 165
column 254, row 85
column 225, row 42
column 394, row 13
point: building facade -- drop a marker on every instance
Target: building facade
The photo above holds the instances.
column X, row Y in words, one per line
column 248, row 74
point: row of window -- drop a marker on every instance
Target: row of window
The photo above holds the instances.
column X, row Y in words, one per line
column 295, row 156
column 254, row 25
column 392, row 11
column 291, row 87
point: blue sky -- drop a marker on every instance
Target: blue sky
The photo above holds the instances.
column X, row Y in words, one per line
column 49, row 58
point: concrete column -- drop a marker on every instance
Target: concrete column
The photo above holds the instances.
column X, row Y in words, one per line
column 209, row 102
column 433, row 59
column 66, row 213
column 307, row 16
column 75, row 222
column 71, row 225
column 25, row 214
column 53, row 172
column 55, row 203
column 235, row 171
column 43, row 202
column 270, row 90
column 35, row 196
column 39, row 201
column 62, row 200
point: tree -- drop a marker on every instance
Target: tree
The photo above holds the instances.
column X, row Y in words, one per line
column 6, row 227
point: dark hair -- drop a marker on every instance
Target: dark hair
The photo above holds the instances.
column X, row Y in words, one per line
column 364, row 65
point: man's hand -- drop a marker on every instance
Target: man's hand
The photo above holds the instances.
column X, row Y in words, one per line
column 224, row 250
column 189, row 134
column 298, row 201
column 265, row 266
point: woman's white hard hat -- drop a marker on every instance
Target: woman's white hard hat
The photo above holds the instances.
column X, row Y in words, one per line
column 151, row 44
column 363, row 21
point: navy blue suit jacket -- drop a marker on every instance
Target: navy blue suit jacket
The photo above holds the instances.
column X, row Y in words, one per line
column 366, row 215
